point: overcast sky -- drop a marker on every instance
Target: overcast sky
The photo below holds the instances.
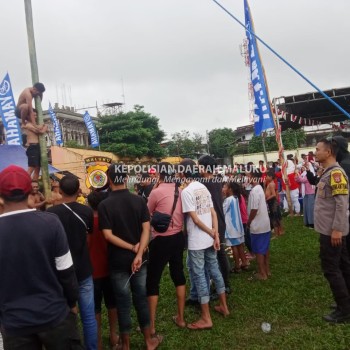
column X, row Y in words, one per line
column 180, row 59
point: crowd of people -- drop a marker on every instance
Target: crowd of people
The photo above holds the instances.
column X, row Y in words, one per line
column 114, row 245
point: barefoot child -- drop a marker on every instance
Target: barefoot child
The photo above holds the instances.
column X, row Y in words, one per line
column 234, row 228
column 259, row 225
column 272, row 203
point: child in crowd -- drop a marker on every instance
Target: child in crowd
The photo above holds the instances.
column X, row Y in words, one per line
column 234, row 228
column 272, row 203
column 259, row 225
column 239, row 192
column 102, row 285
column 308, row 194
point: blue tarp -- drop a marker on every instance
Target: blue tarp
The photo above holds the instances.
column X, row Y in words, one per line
column 16, row 155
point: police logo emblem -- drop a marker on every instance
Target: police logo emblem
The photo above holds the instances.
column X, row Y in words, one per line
column 337, row 177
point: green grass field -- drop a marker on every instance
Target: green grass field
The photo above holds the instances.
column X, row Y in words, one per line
column 292, row 301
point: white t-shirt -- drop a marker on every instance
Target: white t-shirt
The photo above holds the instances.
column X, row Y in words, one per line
column 261, row 222
column 290, row 167
column 195, row 197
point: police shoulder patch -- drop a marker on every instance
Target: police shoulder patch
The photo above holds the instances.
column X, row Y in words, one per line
column 339, row 182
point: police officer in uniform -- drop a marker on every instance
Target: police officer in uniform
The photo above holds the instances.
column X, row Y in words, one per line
column 331, row 221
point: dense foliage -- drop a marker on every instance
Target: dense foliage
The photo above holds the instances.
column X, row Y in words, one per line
column 292, row 139
column 131, row 134
column 222, row 142
column 184, row 145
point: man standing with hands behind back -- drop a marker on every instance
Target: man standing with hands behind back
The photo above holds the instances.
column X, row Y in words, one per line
column 331, row 221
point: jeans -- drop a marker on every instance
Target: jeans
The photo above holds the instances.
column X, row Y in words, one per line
column 63, row 336
column 121, row 289
column 193, row 289
column 87, row 312
column 335, row 265
column 201, row 261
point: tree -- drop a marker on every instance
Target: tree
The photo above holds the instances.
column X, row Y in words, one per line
column 131, row 134
column 222, row 142
column 292, row 139
column 184, row 145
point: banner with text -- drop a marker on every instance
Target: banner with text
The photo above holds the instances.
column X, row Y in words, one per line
column 56, row 126
column 95, row 142
column 12, row 128
column 262, row 110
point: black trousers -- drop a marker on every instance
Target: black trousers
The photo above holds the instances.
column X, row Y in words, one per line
column 64, row 336
column 223, row 261
column 335, row 263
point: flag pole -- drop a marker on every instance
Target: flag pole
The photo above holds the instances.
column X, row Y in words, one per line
column 278, row 133
column 35, row 79
column 277, row 128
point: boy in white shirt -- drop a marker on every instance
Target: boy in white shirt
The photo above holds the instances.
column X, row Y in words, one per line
column 203, row 242
column 259, row 225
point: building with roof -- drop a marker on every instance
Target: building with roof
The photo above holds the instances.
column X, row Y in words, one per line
column 71, row 123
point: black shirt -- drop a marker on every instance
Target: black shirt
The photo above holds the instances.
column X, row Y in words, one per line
column 145, row 191
column 214, row 186
column 77, row 235
column 34, row 264
column 123, row 213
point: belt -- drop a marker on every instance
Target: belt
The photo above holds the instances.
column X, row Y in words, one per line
column 33, row 144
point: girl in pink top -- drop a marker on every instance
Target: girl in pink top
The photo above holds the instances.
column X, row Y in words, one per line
column 238, row 192
column 308, row 198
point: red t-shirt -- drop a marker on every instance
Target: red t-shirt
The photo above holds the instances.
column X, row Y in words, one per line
column 98, row 252
column 293, row 185
column 243, row 210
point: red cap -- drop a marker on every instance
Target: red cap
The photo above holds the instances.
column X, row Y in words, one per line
column 14, row 178
column 152, row 171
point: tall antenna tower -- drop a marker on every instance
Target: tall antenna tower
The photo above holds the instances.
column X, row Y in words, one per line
column 245, row 54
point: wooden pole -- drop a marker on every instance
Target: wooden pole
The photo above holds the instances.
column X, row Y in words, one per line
column 263, row 137
column 35, row 79
column 278, row 132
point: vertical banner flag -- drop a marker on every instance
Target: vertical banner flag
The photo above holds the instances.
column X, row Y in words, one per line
column 262, row 110
column 92, row 130
column 56, row 126
column 7, row 111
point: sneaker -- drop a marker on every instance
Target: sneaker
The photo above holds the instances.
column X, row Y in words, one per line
column 337, row 316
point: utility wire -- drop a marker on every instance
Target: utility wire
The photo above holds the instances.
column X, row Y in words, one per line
column 286, row 62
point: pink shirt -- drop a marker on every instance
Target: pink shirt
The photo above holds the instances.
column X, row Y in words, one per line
column 161, row 199
column 309, row 189
column 243, row 210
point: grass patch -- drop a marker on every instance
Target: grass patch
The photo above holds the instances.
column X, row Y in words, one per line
column 292, row 301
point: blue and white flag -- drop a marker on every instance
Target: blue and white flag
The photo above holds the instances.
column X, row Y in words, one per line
column 92, row 130
column 56, row 126
column 7, row 111
column 262, row 110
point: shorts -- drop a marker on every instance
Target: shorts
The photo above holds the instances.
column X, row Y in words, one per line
column 260, row 242
column 103, row 290
column 231, row 242
column 33, row 154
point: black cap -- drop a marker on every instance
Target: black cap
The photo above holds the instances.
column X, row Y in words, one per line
column 342, row 143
